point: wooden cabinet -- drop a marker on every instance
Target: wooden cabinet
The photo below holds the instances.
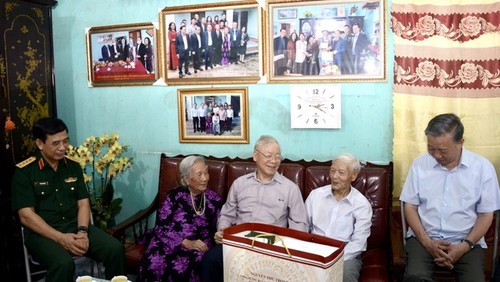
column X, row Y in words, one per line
column 27, row 92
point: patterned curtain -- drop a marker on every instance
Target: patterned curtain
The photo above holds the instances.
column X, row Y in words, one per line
column 446, row 59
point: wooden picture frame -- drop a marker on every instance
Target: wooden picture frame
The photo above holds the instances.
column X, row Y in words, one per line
column 113, row 61
column 330, row 60
column 212, row 64
column 194, row 129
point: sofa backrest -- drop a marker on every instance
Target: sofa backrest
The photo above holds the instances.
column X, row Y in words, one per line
column 373, row 182
column 170, row 179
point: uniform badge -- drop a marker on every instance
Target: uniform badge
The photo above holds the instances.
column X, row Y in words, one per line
column 70, row 179
column 26, row 162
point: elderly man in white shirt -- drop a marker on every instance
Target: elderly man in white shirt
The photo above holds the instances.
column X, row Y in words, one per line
column 341, row 212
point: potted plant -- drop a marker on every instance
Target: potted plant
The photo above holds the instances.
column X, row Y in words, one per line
column 102, row 160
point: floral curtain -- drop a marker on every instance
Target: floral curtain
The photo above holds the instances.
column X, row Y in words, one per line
column 446, row 59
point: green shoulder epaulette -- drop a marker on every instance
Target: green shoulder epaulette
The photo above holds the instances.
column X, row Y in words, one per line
column 26, row 162
column 72, row 158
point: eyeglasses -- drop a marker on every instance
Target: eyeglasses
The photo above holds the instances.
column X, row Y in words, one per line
column 269, row 157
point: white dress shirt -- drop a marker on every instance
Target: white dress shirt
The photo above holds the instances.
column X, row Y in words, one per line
column 348, row 220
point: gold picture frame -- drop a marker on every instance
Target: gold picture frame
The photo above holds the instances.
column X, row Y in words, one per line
column 218, row 64
column 323, row 49
column 112, row 60
column 196, row 129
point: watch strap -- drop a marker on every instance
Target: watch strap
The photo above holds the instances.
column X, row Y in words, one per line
column 469, row 242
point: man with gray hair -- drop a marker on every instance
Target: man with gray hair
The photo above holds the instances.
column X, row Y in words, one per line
column 449, row 198
column 263, row 196
column 339, row 211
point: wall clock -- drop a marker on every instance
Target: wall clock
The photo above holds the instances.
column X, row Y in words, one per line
column 315, row 106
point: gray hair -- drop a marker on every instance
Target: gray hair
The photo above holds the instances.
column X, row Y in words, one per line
column 264, row 140
column 444, row 124
column 354, row 163
column 186, row 164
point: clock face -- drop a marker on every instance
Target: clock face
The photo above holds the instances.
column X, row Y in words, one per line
column 315, row 106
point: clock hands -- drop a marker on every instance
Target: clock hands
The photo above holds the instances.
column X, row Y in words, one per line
column 318, row 106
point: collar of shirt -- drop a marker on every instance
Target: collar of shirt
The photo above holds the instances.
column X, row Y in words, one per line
column 466, row 160
column 44, row 164
column 329, row 194
column 276, row 177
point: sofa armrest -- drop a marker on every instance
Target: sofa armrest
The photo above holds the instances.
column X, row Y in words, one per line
column 138, row 222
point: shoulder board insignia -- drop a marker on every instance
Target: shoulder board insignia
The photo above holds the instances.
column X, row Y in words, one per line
column 26, row 162
column 72, row 158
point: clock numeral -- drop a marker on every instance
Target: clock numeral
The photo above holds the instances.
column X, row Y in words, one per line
column 332, row 106
column 315, row 91
column 315, row 121
column 299, row 106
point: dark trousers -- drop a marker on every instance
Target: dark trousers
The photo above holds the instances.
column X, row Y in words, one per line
column 202, row 124
column 59, row 262
column 212, row 265
column 197, row 59
column 230, row 124
column 209, row 57
column 196, row 124
column 420, row 264
column 184, row 61
column 217, row 55
column 233, row 57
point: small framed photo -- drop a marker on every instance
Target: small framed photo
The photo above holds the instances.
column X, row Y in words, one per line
column 122, row 55
column 219, row 43
column 213, row 115
column 326, row 41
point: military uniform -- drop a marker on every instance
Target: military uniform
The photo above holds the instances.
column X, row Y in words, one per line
column 54, row 196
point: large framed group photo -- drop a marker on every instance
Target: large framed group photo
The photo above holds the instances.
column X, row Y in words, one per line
column 213, row 115
column 219, row 43
column 122, row 55
column 326, row 41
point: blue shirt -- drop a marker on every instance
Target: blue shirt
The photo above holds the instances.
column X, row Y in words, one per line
column 449, row 201
column 348, row 220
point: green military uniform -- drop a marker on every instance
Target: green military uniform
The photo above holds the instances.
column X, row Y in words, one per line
column 54, row 195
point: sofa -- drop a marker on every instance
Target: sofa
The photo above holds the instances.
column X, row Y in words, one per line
column 374, row 181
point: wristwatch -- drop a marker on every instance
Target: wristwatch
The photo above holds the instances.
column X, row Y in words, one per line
column 469, row 242
column 83, row 229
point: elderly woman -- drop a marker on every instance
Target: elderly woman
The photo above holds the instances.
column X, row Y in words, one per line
column 341, row 212
column 185, row 227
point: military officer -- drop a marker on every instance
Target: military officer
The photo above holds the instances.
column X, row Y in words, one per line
column 50, row 197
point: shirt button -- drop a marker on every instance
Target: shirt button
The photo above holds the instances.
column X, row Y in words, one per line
column 72, row 188
column 57, row 190
column 64, row 218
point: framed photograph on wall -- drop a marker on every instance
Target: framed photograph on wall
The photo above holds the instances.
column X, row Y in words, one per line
column 213, row 115
column 328, row 41
column 219, row 43
column 122, row 55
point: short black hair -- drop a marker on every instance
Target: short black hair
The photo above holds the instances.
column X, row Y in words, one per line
column 48, row 126
column 445, row 123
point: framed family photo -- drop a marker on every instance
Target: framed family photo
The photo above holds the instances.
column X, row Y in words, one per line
column 219, row 43
column 213, row 115
column 122, row 55
column 327, row 41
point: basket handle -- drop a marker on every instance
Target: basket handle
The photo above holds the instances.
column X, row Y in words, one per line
column 270, row 234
